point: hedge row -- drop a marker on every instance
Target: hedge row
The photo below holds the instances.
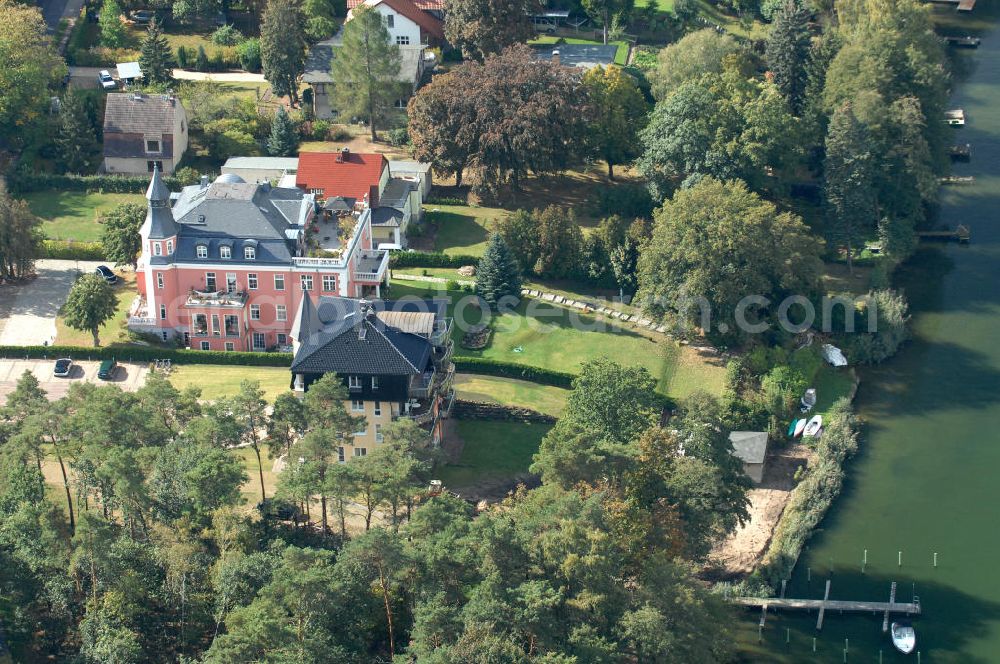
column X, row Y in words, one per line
column 70, row 250
column 430, row 259
column 488, row 367
column 445, row 200
column 479, row 410
column 148, row 354
column 22, row 182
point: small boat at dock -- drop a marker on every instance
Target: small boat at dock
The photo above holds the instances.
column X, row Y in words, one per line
column 957, row 179
column 800, row 426
column 904, row 637
column 963, row 42
column 811, row 429
column 955, row 117
column 960, row 152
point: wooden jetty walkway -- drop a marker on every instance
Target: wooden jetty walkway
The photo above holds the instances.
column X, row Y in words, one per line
column 961, row 233
column 963, row 42
column 960, row 5
column 827, row 604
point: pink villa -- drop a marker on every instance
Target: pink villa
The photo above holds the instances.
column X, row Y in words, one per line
column 224, row 264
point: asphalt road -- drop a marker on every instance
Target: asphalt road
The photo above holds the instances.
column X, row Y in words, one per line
column 53, row 10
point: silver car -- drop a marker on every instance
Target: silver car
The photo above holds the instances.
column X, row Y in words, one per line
column 106, row 81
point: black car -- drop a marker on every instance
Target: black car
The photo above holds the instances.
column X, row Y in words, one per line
column 63, row 368
column 107, row 369
column 107, row 274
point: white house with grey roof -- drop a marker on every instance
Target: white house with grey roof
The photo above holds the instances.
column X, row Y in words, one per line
column 143, row 132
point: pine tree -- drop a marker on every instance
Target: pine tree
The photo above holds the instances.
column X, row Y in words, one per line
column 75, row 140
column 365, row 68
column 498, row 273
column 848, row 180
column 283, row 141
column 283, row 47
column 154, row 57
column 788, row 52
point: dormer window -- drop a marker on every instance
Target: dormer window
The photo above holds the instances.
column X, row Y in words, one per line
column 225, row 252
column 201, row 251
column 249, row 253
column 157, row 249
column 170, row 247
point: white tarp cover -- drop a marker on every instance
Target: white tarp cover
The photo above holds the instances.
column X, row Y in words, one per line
column 834, row 355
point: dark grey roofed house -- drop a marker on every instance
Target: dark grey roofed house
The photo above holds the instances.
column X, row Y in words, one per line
column 751, row 448
column 585, row 56
column 143, row 131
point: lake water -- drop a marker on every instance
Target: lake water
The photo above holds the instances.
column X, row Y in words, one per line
column 927, row 478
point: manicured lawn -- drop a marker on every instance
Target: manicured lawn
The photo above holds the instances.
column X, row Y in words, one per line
column 251, row 488
column 832, row 383
column 463, row 229
column 507, row 391
column 218, row 381
column 111, row 332
column 72, row 215
column 493, row 452
column 549, row 336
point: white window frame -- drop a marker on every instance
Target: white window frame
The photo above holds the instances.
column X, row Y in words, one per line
column 306, row 279
column 254, row 312
column 390, row 20
column 279, row 282
column 170, row 247
column 201, row 251
column 157, row 146
column 282, row 339
column 378, row 408
column 378, row 433
column 157, row 249
column 252, row 280
column 354, row 382
column 360, row 451
column 280, row 312
column 210, row 276
column 225, row 252
column 341, row 457
column 357, row 406
column 374, row 382
column 230, row 346
column 232, row 282
column 329, row 283
column 159, row 280
column 163, row 312
column 205, row 345
column 249, row 253
column 402, row 40
column 263, row 341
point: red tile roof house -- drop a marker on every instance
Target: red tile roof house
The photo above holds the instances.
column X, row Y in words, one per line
column 348, row 181
column 225, row 267
column 412, row 25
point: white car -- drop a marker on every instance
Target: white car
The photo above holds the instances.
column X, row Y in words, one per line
column 107, row 82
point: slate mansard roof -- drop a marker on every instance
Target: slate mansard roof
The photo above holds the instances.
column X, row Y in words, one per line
column 346, row 336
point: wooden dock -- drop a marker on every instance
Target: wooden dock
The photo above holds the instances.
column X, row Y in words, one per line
column 961, row 233
column 960, row 5
column 963, row 42
column 957, row 179
column 827, row 604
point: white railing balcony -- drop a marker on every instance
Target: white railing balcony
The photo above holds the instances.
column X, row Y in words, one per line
column 198, row 298
column 308, row 261
column 371, row 266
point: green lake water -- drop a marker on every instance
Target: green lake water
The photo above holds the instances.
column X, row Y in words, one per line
column 927, row 478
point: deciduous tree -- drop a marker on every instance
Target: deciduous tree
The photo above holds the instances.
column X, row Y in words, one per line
column 365, row 69
column 283, row 47
column 113, row 33
column 607, row 10
column 481, row 28
column 120, row 238
column 690, row 58
column 619, row 114
column 20, row 238
column 90, row 304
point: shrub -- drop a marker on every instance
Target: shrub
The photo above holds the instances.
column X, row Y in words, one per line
column 429, row 259
column 227, row 35
column 148, row 353
column 182, row 57
column 201, row 59
column 399, row 137
column 70, row 250
column 452, row 285
column 444, row 200
column 489, row 367
column 320, row 130
column 625, row 200
column 249, row 54
column 891, row 331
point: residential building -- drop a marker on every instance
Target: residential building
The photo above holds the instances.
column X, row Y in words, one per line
column 414, row 170
column 225, row 267
column 410, row 27
column 351, row 181
column 262, row 169
column 143, row 132
column 751, row 448
column 394, row 358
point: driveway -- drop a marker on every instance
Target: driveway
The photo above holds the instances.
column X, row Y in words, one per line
column 129, row 376
column 28, row 309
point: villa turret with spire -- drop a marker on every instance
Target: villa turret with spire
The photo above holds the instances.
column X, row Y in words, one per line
column 224, row 264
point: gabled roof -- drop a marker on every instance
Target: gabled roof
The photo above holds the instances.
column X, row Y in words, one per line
column 428, row 23
column 347, row 336
column 352, row 175
column 128, row 113
column 426, row 5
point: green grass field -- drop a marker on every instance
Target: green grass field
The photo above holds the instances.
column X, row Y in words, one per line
column 549, row 336
column 493, row 452
column 490, row 389
column 72, row 215
column 224, row 381
column 111, row 332
column 463, row 229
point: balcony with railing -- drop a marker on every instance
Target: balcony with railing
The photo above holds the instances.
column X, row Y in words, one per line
column 420, row 411
column 442, row 332
column 210, row 298
column 422, row 385
column 371, row 266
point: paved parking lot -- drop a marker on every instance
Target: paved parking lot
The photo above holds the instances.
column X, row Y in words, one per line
column 129, row 376
column 28, row 310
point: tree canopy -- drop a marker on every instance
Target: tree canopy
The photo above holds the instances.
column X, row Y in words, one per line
column 283, row 47
column 120, row 238
column 498, row 274
column 481, row 28
column 90, row 304
column 691, row 57
column 619, row 114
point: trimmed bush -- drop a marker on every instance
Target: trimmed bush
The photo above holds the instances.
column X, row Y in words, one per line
column 74, row 251
column 249, row 55
column 429, row 259
column 22, row 182
column 148, row 354
column 487, row 367
column 444, row 200
column 227, row 35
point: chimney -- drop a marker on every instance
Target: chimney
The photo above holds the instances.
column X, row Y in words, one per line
column 345, row 154
column 204, row 181
column 555, row 57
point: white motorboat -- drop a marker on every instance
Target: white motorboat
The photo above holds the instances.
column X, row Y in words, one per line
column 903, row 637
column 815, row 424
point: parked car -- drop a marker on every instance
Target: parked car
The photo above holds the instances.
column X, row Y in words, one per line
column 106, row 81
column 106, row 273
column 143, row 16
column 63, row 368
column 107, row 369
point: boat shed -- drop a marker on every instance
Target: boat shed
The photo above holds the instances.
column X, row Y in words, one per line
column 751, row 448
